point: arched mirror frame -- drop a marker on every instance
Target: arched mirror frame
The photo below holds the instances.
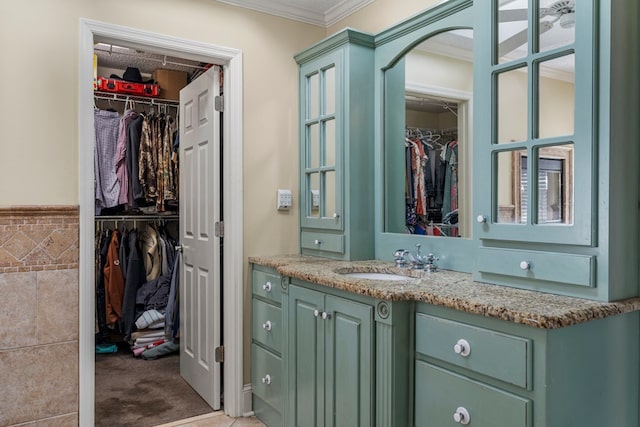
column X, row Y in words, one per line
column 391, row 46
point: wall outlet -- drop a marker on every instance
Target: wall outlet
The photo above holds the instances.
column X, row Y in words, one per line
column 284, row 199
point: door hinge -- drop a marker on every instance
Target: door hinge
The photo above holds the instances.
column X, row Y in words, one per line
column 218, row 354
column 219, row 229
column 219, row 103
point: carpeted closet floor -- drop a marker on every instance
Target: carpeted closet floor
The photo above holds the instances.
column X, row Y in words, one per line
column 142, row 393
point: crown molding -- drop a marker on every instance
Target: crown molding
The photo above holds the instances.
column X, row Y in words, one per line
column 298, row 11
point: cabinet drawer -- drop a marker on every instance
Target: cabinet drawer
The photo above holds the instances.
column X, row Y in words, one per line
column 267, row 325
column 267, row 285
column 439, row 394
column 555, row 267
column 266, row 377
column 504, row 357
column 322, row 241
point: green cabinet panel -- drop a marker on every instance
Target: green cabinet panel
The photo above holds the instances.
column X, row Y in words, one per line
column 336, row 146
column 266, row 285
column 267, row 325
column 330, row 360
column 477, row 349
column 569, row 269
column 266, row 376
column 440, row 394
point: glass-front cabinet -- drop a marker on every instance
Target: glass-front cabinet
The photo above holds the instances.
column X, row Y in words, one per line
column 545, row 184
column 499, row 135
column 336, row 147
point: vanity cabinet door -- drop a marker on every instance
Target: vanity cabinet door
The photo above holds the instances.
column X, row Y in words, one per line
column 536, row 154
column 330, row 360
column 335, row 144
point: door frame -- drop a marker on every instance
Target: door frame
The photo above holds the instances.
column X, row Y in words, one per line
column 232, row 264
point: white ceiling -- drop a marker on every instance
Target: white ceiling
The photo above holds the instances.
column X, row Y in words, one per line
column 317, row 12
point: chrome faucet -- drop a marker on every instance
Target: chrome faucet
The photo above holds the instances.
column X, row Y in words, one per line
column 421, row 262
column 400, row 256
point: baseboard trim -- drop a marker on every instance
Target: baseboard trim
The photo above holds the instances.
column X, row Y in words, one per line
column 247, row 408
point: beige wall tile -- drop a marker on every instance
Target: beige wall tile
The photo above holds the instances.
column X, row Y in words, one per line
column 17, row 310
column 57, row 319
column 43, row 382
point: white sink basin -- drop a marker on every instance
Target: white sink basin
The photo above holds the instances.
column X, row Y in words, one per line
column 377, row 276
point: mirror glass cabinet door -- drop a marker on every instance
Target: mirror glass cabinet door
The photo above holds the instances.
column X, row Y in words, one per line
column 538, row 194
column 321, row 203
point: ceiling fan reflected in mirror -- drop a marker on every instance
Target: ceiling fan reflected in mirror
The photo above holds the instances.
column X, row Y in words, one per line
column 561, row 12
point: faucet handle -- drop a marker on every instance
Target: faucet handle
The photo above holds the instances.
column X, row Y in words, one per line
column 399, row 255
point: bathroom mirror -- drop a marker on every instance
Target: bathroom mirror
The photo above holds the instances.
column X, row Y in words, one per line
column 427, row 147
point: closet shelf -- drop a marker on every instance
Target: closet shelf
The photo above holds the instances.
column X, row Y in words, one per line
column 136, row 217
column 110, row 96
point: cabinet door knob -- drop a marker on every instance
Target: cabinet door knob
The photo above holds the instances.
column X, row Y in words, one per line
column 326, row 315
column 317, row 242
column 316, row 313
column 336, row 215
column 266, row 379
column 461, row 416
column 267, row 287
column 267, row 325
column 462, row 347
column 481, row 219
column 525, row 265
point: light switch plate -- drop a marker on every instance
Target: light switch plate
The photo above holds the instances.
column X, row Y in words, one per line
column 284, row 199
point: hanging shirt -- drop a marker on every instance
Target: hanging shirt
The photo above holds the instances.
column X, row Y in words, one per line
column 122, row 171
column 106, row 185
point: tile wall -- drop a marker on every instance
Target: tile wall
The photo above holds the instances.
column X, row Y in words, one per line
column 39, row 316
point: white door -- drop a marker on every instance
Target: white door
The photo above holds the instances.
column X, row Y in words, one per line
column 200, row 282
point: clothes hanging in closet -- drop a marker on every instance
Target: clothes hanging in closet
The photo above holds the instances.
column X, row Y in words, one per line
column 430, row 182
column 135, row 160
column 138, row 273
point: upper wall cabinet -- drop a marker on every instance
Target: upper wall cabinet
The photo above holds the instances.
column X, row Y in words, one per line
column 336, row 147
column 546, row 185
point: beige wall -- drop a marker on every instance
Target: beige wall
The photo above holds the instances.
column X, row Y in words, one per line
column 39, row 43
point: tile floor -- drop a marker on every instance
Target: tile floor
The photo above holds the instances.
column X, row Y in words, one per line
column 215, row 419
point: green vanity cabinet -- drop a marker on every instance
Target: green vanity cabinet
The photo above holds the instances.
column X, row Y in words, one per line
column 331, row 368
column 336, row 146
column 555, row 146
column 268, row 333
column 489, row 372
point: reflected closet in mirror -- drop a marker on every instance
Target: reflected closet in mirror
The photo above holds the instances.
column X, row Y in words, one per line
column 428, row 96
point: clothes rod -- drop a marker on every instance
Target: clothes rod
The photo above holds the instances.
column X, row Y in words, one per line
column 103, row 218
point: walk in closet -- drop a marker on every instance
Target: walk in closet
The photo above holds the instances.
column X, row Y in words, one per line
column 137, row 244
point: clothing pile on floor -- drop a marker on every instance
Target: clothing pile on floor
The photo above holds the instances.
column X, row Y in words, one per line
column 137, row 291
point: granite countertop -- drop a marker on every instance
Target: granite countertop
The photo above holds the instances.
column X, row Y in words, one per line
column 449, row 289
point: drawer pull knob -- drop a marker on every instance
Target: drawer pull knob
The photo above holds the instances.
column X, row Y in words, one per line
column 267, row 287
column 481, row 219
column 267, row 325
column 316, row 313
column 525, row 265
column 266, row 379
column 461, row 416
column 317, row 242
column 462, row 348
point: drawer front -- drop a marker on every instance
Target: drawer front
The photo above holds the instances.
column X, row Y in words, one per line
column 504, row 357
column 267, row 325
column 322, row 241
column 555, row 267
column 267, row 285
column 266, row 377
column 439, row 394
